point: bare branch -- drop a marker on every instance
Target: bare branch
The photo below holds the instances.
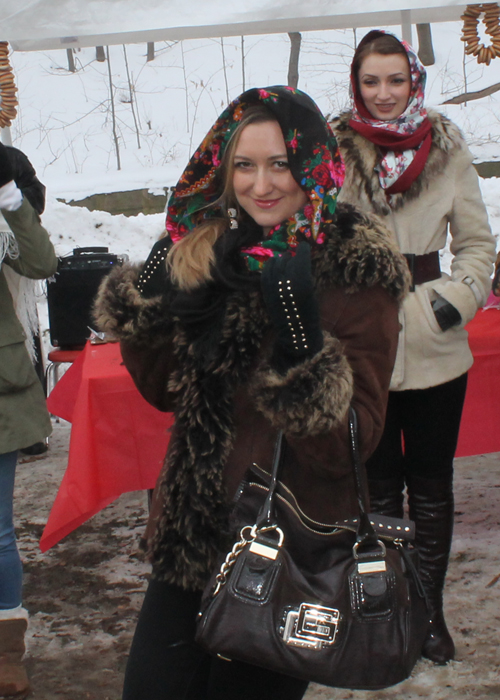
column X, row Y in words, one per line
column 459, row 99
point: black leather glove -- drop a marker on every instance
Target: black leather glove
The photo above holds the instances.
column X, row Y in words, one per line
column 495, row 285
column 6, row 172
column 288, row 290
column 154, row 279
column 446, row 314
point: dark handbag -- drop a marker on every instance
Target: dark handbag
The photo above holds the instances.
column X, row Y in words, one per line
column 340, row 605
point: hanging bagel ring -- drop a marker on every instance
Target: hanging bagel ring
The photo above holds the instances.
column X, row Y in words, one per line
column 8, row 99
column 491, row 20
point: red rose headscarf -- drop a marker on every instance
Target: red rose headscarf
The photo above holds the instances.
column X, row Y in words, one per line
column 405, row 141
column 314, row 160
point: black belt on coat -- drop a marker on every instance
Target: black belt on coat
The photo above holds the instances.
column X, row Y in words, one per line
column 423, row 268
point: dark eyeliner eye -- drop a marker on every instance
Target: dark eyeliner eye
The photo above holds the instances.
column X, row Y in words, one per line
column 242, row 164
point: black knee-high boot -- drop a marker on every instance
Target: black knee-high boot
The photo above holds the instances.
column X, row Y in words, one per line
column 431, row 508
column 386, row 496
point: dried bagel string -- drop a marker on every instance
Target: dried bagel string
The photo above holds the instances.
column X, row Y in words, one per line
column 491, row 19
column 8, row 99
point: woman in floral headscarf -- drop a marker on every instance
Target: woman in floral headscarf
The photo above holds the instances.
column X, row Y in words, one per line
column 412, row 167
column 203, row 333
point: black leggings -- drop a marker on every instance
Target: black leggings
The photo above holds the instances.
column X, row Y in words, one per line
column 166, row 664
column 421, row 432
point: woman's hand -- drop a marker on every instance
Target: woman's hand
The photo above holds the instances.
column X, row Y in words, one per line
column 446, row 314
column 288, row 290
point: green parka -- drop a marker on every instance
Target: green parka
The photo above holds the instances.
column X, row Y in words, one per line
column 24, row 419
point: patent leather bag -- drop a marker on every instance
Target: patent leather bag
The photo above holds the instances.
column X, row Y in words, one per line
column 340, row 605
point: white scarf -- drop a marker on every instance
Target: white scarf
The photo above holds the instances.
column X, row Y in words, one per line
column 24, row 291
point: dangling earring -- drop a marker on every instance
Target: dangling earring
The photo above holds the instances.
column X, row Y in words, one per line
column 233, row 222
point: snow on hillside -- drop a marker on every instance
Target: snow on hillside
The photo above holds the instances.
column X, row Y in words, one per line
column 65, row 120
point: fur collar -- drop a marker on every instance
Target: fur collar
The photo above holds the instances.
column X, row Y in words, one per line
column 358, row 252
column 361, row 156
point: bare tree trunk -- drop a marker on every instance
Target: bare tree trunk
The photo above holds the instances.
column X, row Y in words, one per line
column 425, row 48
column 186, row 92
column 243, row 62
column 293, row 64
column 113, row 116
column 132, row 98
column 224, row 68
column 464, row 70
column 71, row 60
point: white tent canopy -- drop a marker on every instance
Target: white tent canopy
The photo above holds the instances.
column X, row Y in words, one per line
column 31, row 25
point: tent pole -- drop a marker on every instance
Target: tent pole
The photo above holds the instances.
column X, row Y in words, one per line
column 5, row 136
column 406, row 26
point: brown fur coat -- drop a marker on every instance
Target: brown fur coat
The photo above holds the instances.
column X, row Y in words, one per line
column 229, row 405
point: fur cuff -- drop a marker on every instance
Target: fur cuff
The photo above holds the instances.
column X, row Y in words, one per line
column 123, row 314
column 312, row 397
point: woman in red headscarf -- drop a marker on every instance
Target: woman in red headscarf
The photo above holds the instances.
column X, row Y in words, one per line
column 412, row 167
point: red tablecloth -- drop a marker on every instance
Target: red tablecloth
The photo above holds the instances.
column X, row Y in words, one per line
column 118, row 440
column 479, row 432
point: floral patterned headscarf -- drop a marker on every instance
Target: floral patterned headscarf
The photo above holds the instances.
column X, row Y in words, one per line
column 415, row 114
column 406, row 140
column 314, row 160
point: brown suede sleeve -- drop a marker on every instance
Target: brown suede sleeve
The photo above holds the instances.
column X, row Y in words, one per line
column 368, row 328
column 151, row 369
column 319, row 470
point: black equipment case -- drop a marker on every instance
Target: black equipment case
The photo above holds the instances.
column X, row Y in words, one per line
column 71, row 292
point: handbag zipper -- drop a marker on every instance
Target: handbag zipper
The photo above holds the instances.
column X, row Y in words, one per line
column 299, row 513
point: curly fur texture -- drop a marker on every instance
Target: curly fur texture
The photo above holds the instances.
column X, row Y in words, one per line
column 121, row 311
column 193, row 526
column 311, row 398
column 360, row 252
column 361, row 156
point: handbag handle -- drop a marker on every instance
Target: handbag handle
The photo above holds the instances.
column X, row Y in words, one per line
column 366, row 535
column 266, row 517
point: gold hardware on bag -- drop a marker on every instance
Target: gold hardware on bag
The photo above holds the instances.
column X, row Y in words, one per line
column 311, row 626
column 263, row 550
column 371, row 567
column 248, row 535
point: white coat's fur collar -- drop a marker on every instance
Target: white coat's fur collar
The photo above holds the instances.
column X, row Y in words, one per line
column 361, row 157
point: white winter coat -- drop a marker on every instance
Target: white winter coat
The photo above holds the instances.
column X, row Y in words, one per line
column 444, row 199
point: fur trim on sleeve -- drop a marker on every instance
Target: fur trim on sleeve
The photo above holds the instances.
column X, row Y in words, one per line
column 312, row 397
column 121, row 312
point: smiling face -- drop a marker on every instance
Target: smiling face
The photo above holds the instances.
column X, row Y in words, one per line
column 385, row 84
column 262, row 182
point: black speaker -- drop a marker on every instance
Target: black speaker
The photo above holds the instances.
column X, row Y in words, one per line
column 71, row 292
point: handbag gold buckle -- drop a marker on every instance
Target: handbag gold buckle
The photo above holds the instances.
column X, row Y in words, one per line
column 311, row 626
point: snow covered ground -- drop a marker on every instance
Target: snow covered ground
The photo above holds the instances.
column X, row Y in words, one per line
column 84, row 594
